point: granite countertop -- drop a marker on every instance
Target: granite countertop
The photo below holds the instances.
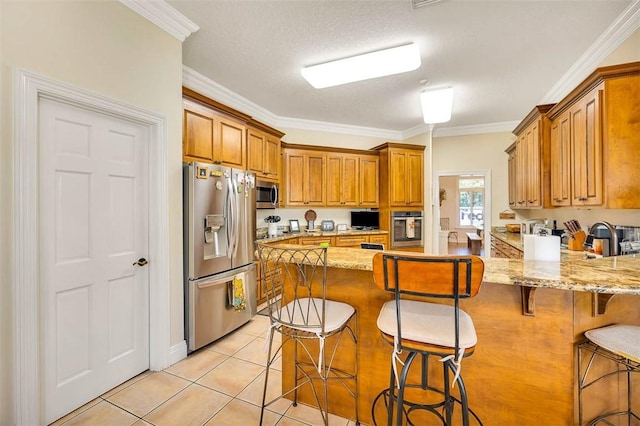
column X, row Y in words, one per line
column 613, row 275
column 319, row 233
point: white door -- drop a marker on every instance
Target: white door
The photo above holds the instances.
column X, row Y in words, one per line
column 93, row 192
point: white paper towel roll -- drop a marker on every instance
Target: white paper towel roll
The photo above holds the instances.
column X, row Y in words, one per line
column 541, row 247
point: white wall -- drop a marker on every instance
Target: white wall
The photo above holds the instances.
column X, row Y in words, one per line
column 628, row 51
column 106, row 48
column 478, row 152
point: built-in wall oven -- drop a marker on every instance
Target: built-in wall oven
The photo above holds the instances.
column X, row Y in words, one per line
column 406, row 229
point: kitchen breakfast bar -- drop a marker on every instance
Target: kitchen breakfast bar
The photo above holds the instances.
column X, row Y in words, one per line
column 528, row 316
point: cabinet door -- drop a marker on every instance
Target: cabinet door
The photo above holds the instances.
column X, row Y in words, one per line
column 415, row 167
column 397, row 178
column 305, row 178
column 379, row 239
column 369, row 182
column 271, row 161
column 351, row 241
column 312, row 241
column 255, row 151
column 334, row 180
column 314, row 179
column 513, row 175
column 587, row 151
column 229, row 143
column 521, row 158
column 406, row 183
column 294, row 178
column 198, row 128
column 534, row 166
column 560, row 161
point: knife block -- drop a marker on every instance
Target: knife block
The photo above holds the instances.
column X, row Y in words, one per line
column 577, row 243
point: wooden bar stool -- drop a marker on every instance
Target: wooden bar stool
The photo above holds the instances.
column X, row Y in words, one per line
column 417, row 327
column 619, row 343
column 295, row 283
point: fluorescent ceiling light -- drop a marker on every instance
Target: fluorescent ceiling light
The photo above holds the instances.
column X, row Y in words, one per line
column 363, row 67
column 437, row 104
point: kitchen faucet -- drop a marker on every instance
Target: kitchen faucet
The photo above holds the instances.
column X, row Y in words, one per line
column 613, row 251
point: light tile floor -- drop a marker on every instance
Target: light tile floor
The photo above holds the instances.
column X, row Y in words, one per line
column 220, row 384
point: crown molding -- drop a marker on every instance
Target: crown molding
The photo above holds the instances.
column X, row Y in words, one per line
column 202, row 84
column 626, row 24
column 346, row 129
column 205, row 86
column 209, row 88
column 164, row 16
column 476, row 129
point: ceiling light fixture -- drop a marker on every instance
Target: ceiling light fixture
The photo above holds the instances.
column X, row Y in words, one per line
column 437, row 104
column 363, row 67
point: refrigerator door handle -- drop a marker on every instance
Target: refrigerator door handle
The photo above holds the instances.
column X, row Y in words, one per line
column 235, row 212
column 230, row 218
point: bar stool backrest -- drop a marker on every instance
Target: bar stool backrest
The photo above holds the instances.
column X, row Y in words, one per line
column 453, row 277
column 294, row 282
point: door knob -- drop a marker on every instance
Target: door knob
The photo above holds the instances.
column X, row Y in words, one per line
column 141, row 262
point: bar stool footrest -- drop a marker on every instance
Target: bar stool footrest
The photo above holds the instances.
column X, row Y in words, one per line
column 385, row 394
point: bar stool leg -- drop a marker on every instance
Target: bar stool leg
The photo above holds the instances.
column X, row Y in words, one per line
column 401, row 388
column 392, row 393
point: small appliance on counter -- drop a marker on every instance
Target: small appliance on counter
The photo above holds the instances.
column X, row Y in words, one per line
column 529, row 226
column 327, row 225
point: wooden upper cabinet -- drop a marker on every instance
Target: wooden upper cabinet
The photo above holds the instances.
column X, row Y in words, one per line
column 513, row 173
column 406, row 178
column 342, row 180
column 198, row 132
column 229, row 144
column 560, row 161
column 305, row 173
column 586, row 145
column 263, row 154
column 318, row 176
column 596, row 139
column 212, row 137
column 401, row 177
column 529, row 161
column 369, row 181
column 577, row 153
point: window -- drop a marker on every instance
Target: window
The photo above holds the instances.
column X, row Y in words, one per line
column 471, row 200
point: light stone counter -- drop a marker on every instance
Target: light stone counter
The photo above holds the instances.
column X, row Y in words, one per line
column 613, row 275
column 348, row 233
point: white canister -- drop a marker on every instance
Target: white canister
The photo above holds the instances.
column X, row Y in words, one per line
column 273, row 230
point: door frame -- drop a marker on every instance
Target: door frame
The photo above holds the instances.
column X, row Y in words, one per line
column 28, row 89
column 486, row 241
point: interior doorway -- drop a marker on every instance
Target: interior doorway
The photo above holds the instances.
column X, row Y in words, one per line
column 464, row 206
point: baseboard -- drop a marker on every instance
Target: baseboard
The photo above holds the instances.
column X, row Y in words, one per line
column 177, row 352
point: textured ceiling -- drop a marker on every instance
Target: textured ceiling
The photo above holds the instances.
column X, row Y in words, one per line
column 501, row 57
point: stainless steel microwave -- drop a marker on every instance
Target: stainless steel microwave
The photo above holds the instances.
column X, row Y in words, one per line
column 267, row 194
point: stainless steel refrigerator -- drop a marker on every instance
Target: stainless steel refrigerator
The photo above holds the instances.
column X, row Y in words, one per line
column 219, row 234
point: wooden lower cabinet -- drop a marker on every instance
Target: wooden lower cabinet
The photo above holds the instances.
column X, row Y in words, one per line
column 351, row 240
column 380, row 239
column 310, row 241
column 501, row 249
